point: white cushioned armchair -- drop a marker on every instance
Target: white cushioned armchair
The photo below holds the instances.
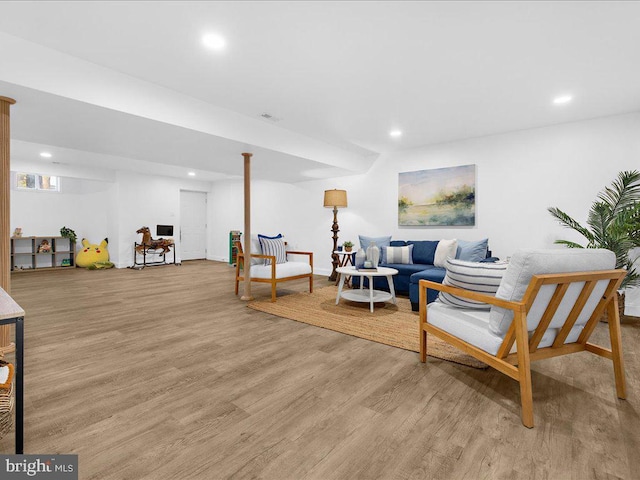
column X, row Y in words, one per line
column 547, row 304
column 290, row 269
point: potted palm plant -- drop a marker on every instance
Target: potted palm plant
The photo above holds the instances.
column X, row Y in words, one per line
column 613, row 223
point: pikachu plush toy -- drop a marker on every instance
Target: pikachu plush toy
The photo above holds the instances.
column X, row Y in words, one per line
column 93, row 256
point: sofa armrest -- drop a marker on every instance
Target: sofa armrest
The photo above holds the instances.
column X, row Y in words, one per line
column 480, row 297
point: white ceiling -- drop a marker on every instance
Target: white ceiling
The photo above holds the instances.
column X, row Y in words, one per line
column 344, row 73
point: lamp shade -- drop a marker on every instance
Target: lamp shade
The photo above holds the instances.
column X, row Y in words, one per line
column 335, row 198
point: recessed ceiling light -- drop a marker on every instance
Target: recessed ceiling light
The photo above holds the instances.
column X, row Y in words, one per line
column 214, row 41
column 395, row 133
column 192, row 174
column 45, row 155
column 562, row 99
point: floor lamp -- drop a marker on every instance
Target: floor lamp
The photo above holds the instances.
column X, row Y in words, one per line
column 334, row 199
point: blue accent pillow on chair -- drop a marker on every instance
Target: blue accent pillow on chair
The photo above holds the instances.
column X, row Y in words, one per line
column 270, row 238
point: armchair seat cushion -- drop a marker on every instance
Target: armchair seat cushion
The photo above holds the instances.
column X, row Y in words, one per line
column 283, row 270
column 472, row 326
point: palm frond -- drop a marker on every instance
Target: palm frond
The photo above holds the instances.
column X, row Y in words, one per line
column 568, row 222
column 631, row 217
column 599, row 220
column 614, row 223
column 633, row 277
column 624, row 191
column 568, row 243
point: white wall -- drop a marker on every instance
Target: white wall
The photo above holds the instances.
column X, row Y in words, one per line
column 98, row 209
column 519, row 175
column 271, row 213
column 82, row 205
column 146, row 200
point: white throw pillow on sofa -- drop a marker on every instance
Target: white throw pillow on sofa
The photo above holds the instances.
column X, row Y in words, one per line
column 445, row 249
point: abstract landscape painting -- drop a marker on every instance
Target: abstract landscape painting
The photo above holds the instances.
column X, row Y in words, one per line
column 437, row 197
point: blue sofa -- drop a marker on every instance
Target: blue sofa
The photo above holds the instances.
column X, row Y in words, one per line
column 422, row 268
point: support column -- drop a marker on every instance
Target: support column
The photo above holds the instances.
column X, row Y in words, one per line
column 5, row 198
column 247, row 227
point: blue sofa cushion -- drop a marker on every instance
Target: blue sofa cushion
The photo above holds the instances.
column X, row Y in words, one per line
column 424, row 251
column 397, row 243
column 472, row 251
column 407, row 269
column 434, row 274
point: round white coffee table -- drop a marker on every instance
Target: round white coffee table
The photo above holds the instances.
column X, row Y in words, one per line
column 362, row 295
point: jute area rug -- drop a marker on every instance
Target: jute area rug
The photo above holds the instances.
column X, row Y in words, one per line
column 390, row 324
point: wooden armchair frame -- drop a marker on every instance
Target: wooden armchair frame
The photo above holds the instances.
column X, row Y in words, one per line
column 272, row 280
column 517, row 365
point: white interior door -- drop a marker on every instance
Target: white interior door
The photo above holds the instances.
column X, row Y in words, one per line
column 193, row 225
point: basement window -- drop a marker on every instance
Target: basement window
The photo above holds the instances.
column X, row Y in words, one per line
column 36, row 181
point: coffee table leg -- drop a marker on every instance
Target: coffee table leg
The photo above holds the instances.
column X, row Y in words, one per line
column 340, row 288
column 370, row 293
column 391, row 288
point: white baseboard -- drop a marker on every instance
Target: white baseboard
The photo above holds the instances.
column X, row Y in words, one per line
column 322, row 271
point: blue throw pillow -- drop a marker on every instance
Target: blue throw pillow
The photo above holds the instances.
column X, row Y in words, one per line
column 397, row 243
column 379, row 241
column 424, row 251
column 472, row 251
column 270, row 238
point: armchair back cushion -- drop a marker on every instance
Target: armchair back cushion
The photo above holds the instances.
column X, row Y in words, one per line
column 526, row 263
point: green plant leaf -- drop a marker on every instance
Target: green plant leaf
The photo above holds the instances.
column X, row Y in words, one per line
column 568, row 222
column 624, row 191
column 568, row 243
column 613, row 223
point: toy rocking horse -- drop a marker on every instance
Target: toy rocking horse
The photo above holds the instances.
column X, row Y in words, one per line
column 150, row 245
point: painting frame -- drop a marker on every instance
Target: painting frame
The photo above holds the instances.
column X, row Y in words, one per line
column 438, row 197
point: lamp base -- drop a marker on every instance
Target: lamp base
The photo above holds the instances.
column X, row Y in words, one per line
column 334, row 257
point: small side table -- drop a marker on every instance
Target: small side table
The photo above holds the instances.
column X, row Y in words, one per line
column 12, row 313
column 346, row 259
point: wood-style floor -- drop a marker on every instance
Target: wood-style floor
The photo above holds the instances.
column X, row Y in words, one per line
column 164, row 374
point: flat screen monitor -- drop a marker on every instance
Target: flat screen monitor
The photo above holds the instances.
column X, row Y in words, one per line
column 162, row 230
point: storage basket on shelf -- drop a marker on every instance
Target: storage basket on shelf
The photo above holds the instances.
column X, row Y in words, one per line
column 7, row 399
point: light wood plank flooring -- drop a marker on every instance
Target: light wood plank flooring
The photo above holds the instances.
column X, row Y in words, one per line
column 165, row 374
